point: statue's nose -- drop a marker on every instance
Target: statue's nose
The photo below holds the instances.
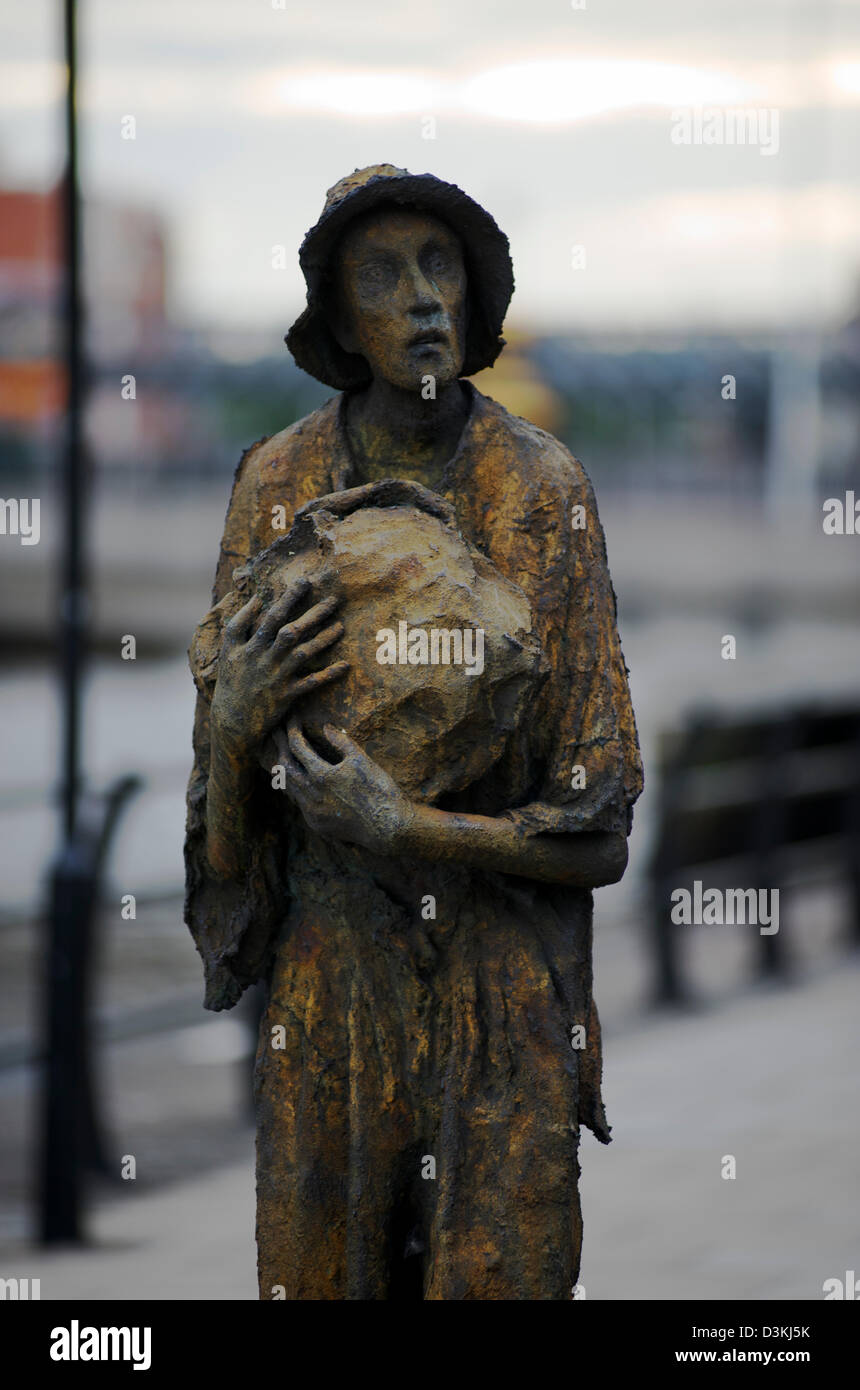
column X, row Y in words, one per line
column 423, row 298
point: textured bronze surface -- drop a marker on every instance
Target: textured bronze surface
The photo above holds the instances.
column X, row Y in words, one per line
column 422, row 916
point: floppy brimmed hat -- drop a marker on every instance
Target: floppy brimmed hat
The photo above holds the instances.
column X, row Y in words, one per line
column 485, row 246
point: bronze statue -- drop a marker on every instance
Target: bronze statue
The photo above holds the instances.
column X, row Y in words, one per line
column 415, row 756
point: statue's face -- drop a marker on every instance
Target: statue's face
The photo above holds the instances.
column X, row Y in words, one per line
column 401, row 297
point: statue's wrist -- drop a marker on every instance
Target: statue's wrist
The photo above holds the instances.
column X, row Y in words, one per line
column 230, row 768
column 224, row 739
column 405, row 837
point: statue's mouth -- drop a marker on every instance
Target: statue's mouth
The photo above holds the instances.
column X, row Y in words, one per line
column 429, row 335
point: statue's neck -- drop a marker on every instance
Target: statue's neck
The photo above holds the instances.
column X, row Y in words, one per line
column 398, row 434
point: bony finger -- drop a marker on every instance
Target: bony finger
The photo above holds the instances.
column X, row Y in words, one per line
column 324, row 579
column 296, row 744
column 312, row 618
column 280, row 609
column 284, row 635
column 237, row 628
column 341, row 740
column 302, row 751
column 308, row 684
column 297, row 589
column 280, row 741
column 293, row 773
column 308, row 650
column 298, row 629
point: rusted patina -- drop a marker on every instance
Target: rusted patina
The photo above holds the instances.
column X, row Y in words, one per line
column 419, row 906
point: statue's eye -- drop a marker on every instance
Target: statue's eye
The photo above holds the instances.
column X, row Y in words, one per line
column 376, row 275
column 438, row 262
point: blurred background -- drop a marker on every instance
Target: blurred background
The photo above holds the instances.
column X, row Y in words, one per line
column 687, row 321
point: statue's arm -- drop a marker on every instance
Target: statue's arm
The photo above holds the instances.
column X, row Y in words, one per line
column 223, row 774
column 249, row 666
column 229, row 820
column 566, row 836
column 585, row 860
column 356, row 800
column 233, row 909
column 234, row 892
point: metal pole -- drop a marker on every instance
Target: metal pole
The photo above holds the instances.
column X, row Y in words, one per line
column 73, row 602
column 71, row 903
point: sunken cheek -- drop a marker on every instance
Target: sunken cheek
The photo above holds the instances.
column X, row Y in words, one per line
column 375, row 321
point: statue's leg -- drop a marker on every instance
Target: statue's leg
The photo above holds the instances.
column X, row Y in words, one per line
column 302, row 1159
column 333, row 1123
column 506, row 1230
column 505, row 1220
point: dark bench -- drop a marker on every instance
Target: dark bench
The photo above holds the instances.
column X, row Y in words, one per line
column 765, row 801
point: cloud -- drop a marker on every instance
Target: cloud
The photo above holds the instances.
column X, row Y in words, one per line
column 559, row 90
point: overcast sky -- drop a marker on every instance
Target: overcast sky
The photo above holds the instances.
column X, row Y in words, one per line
column 558, row 119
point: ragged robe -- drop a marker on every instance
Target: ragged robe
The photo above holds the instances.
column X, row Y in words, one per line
column 430, row 1047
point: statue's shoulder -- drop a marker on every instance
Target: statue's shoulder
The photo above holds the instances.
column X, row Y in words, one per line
column 302, row 444
column 540, row 492
column 533, row 460
column 274, row 478
column 284, row 471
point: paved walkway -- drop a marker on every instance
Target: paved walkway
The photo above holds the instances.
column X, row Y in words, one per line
column 769, row 1079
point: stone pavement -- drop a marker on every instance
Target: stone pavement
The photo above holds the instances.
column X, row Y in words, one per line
column 769, row 1078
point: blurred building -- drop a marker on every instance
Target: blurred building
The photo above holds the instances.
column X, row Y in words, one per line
column 31, row 383
column 126, row 326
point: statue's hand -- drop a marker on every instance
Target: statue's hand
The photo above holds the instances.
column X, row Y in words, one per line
column 261, row 668
column 354, row 799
